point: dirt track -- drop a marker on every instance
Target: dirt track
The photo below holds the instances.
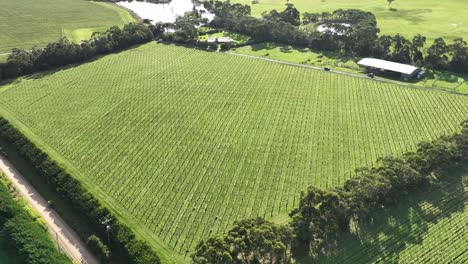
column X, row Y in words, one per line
column 68, row 241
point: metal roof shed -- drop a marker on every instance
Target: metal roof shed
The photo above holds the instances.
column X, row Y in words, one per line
column 407, row 71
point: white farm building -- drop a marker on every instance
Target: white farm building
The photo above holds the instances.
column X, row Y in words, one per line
column 407, row 71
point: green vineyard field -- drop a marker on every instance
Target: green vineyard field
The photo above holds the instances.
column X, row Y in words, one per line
column 183, row 142
column 428, row 227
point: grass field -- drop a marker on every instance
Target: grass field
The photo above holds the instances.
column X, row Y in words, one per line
column 180, row 143
column 432, row 18
column 28, row 23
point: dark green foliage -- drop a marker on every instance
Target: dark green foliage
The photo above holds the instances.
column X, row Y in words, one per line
column 225, row 46
column 283, row 27
column 63, row 52
column 290, row 15
column 324, row 215
column 26, row 236
column 249, row 241
column 214, row 250
column 361, row 38
column 122, row 238
column 99, row 249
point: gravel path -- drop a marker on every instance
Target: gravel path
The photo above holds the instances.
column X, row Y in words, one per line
column 68, row 241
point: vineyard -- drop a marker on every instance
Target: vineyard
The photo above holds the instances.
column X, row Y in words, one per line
column 428, row 228
column 183, row 142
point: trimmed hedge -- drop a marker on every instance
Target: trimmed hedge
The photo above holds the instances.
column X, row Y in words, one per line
column 121, row 237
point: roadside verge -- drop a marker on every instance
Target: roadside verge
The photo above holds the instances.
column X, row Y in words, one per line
column 67, row 240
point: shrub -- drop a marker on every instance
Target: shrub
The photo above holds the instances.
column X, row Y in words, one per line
column 99, row 249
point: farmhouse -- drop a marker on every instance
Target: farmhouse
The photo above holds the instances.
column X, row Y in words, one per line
column 407, row 71
column 220, row 40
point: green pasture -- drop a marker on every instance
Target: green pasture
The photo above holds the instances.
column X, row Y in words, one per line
column 180, row 143
column 28, row 23
column 443, row 80
column 432, row 18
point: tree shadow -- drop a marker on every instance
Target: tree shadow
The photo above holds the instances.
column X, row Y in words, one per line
column 411, row 15
column 267, row 46
column 391, row 230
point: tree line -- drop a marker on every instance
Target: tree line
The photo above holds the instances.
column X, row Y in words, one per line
column 286, row 27
column 63, row 52
column 360, row 37
column 122, row 245
column 325, row 214
column 24, row 234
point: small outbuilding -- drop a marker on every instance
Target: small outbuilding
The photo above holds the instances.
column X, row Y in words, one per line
column 220, row 40
column 407, row 71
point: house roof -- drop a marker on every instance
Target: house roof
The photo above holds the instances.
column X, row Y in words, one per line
column 388, row 65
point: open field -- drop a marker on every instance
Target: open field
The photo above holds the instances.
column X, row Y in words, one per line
column 427, row 228
column 28, row 23
column 180, row 143
column 432, row 18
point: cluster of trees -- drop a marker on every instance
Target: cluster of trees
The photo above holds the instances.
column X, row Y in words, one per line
column 27, row 237
column 123, row 243
column 184, row 30
column 284, row 27
column 324, row 215
column 249, row 241
column 360, row 37
column 64, row 52
column 440, row 55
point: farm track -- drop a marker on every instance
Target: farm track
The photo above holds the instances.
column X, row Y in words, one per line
column 66, row 238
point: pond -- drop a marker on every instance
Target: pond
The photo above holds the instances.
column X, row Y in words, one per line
column 164, row 12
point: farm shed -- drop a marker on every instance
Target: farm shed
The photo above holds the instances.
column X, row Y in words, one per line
column 407, row 71
column 220, row 40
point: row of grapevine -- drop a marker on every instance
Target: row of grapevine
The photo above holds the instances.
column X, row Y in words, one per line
column 187, row 142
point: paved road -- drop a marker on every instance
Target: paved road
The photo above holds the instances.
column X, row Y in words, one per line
column 68, row 241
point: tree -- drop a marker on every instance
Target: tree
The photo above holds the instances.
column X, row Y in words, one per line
column 436, row 54
column 459, row 53
column 418, row 43
column 214, row 250
column 291, row 15
column 259, row 241
column 401, row 49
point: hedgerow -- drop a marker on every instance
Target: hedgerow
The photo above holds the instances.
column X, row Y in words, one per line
column 122, row 238
column 325, row 214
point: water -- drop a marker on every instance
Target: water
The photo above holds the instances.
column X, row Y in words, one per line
column 164, row 12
